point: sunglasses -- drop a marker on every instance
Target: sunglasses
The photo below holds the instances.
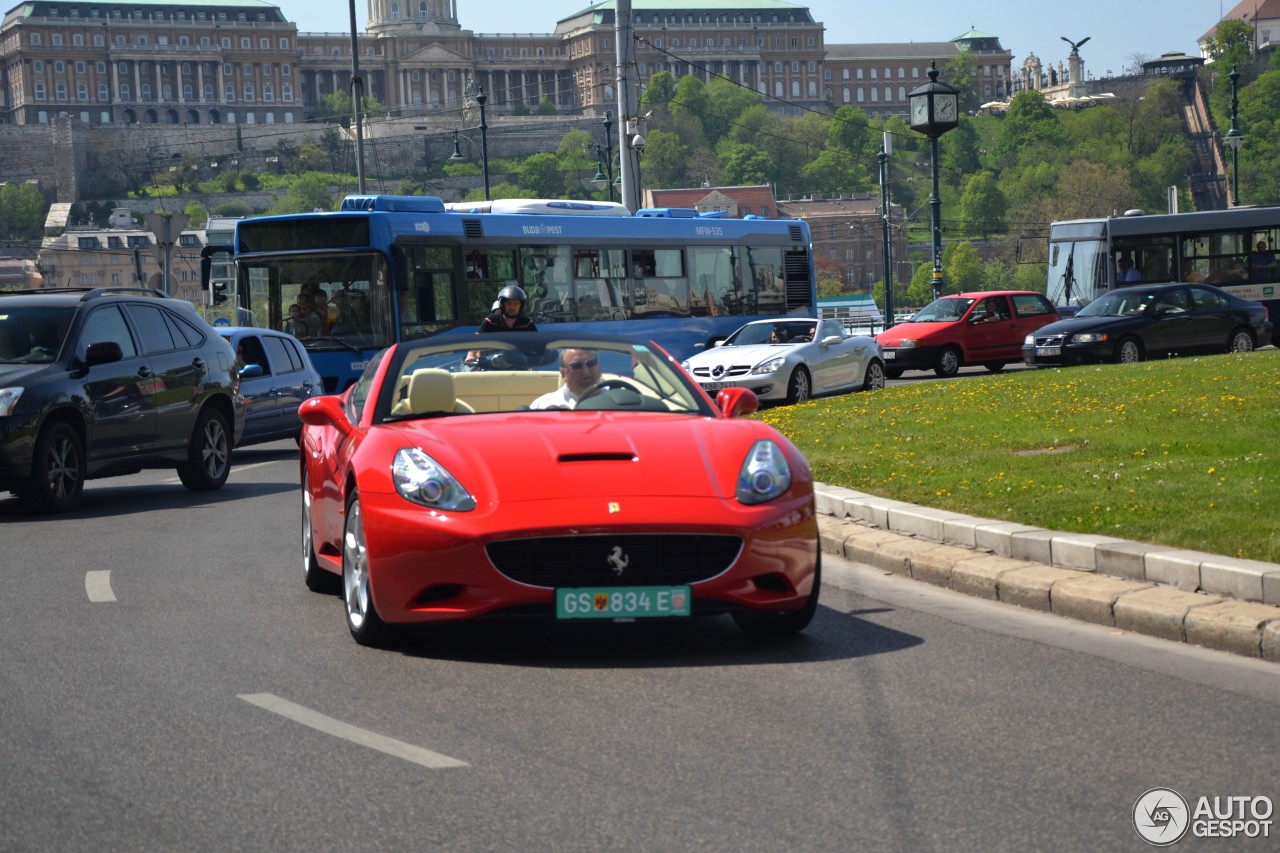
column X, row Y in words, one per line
column 579, row 365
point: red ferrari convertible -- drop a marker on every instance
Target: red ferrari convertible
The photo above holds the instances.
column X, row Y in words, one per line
column 573, row 477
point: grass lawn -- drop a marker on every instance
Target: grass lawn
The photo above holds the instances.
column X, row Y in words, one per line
column 1183, row 452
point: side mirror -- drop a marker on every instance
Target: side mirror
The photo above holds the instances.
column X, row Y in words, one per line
column 325, row 410
column 252, row 371
column 737, row 402
column 103, row 352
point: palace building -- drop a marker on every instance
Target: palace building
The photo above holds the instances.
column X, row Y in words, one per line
column 242, row 62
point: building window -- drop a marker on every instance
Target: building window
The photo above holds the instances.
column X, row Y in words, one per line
column 873, row 73
column 82, row 92
column 103, row 94
column 248, row 93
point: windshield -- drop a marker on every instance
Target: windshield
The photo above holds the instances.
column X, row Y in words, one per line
column 944, row 310
column 1118, row 303
column 786, row 332
column 328, row 302
column 534, row 372
column 1076, row 272
column 33, row 334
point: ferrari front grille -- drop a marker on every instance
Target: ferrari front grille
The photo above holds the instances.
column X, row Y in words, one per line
column 639, row 559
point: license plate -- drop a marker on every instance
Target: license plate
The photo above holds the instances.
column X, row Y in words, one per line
column 1048, row 350
column 890, row 355
column 626, row 602
column 715, row 386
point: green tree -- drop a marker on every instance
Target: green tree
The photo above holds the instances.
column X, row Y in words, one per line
column 835, row 172
column 541, row 174
column 659, row 93
column 958, row 153
column 1259, row 175
column 744, row 164
column 664, row 159
column 547, row 108
column 983, row 206
column 196, row 213
column 307, row 193
column 962, row 267
column 726, row 102
column 1029, row 122
column 851, row 130
column 576, row 155
column 22, row 212
column 961, row 71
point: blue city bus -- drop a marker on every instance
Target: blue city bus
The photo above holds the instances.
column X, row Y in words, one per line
column 1232, row 249
column 383, row 269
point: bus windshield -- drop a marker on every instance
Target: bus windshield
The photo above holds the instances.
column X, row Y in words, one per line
column 1077, row 272
column 330, row 302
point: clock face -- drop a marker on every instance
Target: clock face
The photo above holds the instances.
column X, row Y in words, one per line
column 946, row 107
column 919, row 111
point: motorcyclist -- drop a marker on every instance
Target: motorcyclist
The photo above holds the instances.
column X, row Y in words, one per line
column 508, row 315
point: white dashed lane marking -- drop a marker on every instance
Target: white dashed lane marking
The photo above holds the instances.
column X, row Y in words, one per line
column 97, row 585
column 348, row 732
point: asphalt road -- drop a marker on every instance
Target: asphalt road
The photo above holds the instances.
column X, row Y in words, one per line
column 168, row 683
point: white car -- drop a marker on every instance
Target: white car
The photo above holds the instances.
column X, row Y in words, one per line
column 790, row 360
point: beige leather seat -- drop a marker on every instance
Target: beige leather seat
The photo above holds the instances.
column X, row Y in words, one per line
column 430, row 391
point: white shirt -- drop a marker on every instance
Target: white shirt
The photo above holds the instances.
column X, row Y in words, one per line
column 562, row 398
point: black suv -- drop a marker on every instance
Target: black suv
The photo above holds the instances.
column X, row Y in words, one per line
column 102, row 382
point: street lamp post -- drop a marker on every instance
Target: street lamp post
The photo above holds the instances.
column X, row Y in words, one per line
column 934, row 111
column 481, row 100
column 1234, row 139
column 886, row 150
column 605, row 172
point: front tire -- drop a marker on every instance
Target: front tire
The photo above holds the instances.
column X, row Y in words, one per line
column 893, row 372
column 786, row 622
column 799, row 387
column 366, row 626
column 948, row 362
column 993, row 366
column 316, row 578
column 209, row 456
column 1128, row 351
column 874, row 380
column 57, row 474
column 1241, row 341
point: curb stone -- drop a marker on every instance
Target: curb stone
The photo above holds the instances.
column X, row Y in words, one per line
column 1175, row 594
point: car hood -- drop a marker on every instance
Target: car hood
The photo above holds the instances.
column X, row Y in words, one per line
column 750, row 354
column 912, row 331
column 1071, row 325
column 19, row 374
column 536, row 455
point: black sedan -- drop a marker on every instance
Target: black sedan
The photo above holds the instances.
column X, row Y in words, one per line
column 1151, row 321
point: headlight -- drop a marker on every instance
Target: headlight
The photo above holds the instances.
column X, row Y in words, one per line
column 1029, row 340
column 1089, row 338
column 685, row 364
column 422, row 480
column 907, row 343
column 773, row 365
column 765, row 474
column 9, row 400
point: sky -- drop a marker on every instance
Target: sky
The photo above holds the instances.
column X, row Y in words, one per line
column 1117, row 29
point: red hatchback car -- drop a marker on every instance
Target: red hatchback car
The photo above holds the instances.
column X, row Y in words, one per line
column 986, row 328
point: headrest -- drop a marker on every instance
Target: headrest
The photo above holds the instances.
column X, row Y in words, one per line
column 431, row 390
